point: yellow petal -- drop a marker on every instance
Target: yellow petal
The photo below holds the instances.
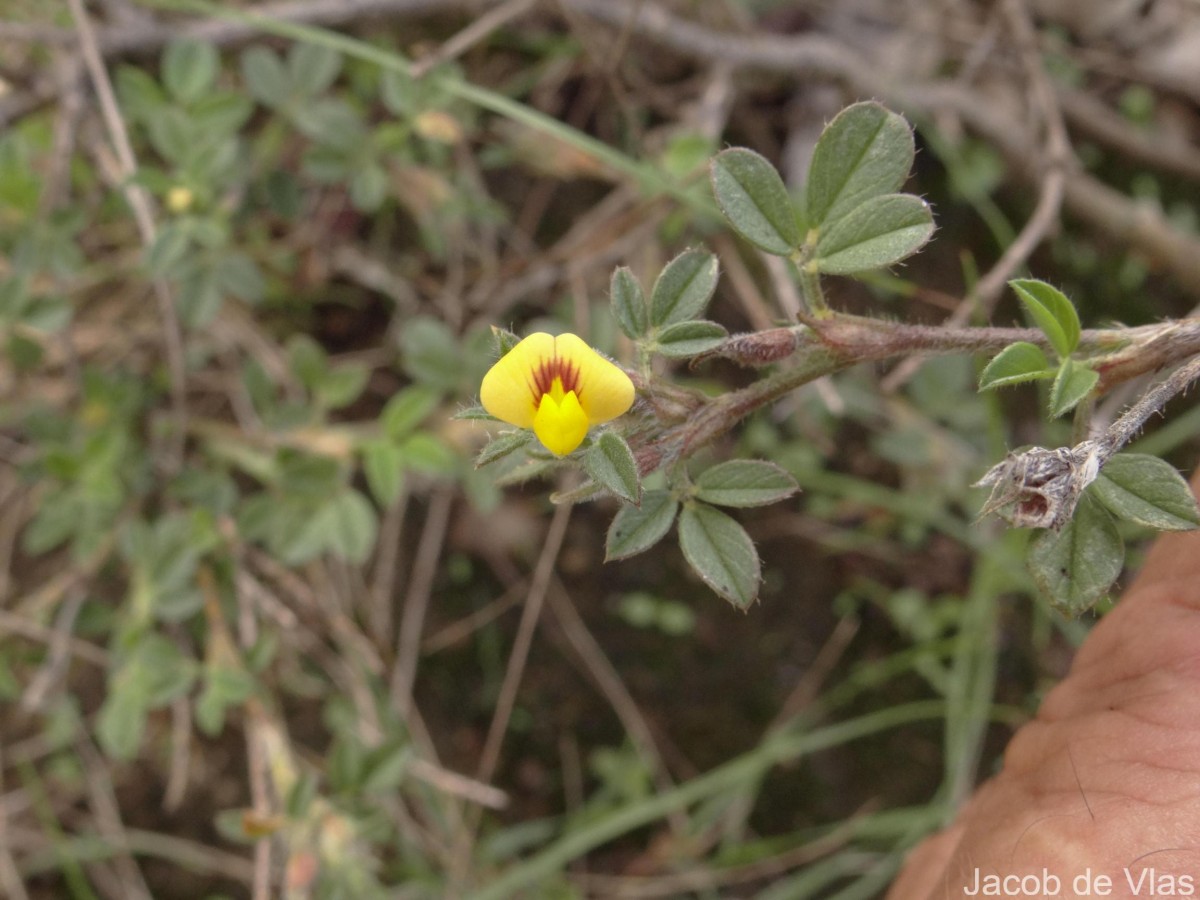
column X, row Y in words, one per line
column 560, row 426
column 603, row 389
column 581, row 386
column 508, row 389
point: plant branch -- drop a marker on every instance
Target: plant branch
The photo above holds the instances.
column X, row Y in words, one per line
column 842, row 341
column 1123, row 430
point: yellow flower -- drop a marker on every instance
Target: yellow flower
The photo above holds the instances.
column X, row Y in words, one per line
column 558, row 386
column 179, row 199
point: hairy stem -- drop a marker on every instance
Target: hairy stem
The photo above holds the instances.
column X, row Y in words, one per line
column 811, row 290
column 829, row 345
column 1122, row 431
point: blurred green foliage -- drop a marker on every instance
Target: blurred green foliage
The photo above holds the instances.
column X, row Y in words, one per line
column 225, row 578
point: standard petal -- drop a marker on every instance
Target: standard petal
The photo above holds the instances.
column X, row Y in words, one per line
column 508, row 389
column 604, row 390
column 560, row 427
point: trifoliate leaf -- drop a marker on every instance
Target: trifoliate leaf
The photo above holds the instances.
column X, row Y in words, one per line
column 1076, row 566
column 1147, row 490
column 684, row 288
column 1051, row 311
column 745, row 482
column 610, row 463
column 1016, row 364
column 636, row 529
column 755, row 201
column 720, row 552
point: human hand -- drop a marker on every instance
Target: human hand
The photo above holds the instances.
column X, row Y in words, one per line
column 1099, row 795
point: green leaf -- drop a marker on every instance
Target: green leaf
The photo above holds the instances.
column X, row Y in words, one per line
column 15, row 298
column 307, row 476
column 429, row 352
column 162, row 669
column 345, row 763
column 610, row 463
column 283, row 195
column 265, row 76
column 189, row 69
column 24, row 354
column 686, row 152
column 335, row 124
column 349, row 525
column 222, row 114
column 215, row 158
column 879, row 232
column 504, row 340
column 299, row 538
column 684, row 288
column 690, row 338
column 166, row 552
column 745, row 482
column 1073, row 382
column 1077, row 565
column 300, row 797
column 241, row 276
column 582, row 493
column 428, row 453
column 1015, row 364
column 399, row 92
column 385, row 768
column 59, row 516
column 141, row 96
column 48, row 313
column 1147, row 490
column 153, row 673
column 502, row 446
column 755, row 201
column 170, row 247
column 341, row 385
column 224, row 686
column 307, row 360
column 629, row 303
column 199, row 298
column 11, row 686
column 383, row 466
column 638, row 528
column 368, row 188
column 475, row 413
column 312, row 68
column 121, row 720
column 406, row 410
column 328, row 164
column 721, row 552
column 864, row 152
column 1051, row 311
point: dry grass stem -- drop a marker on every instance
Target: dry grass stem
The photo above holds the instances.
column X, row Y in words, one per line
column 416, row 602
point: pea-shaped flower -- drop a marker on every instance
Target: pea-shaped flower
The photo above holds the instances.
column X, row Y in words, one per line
column 558, row 386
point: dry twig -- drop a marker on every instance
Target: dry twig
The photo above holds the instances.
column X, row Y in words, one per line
column 608, row 681
column 416, row 602
column 139, row 203
column 506, row 699
column 1056, row 159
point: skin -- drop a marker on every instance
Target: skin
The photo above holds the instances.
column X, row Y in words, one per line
column 1107, row 776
